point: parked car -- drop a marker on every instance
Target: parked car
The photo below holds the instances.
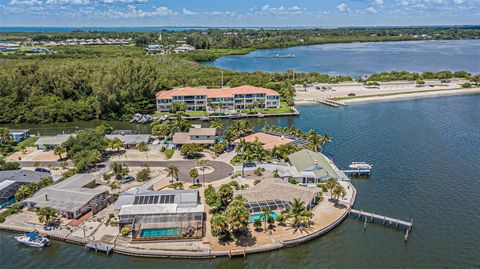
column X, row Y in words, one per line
column 248, row 164
column 126, row 179
column 351, row 94
column 41, row 169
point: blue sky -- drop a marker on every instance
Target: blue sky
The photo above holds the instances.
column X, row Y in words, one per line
column 237, row 12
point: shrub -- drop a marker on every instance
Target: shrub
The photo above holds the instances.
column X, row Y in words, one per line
column 142, row 146
column 219, row 148
column 125, row 231
column 256, row 181
column 169, row 153
column 323, row 187
column 466, row 85
column 293, row 181
column 191, row 150
column 144, row 174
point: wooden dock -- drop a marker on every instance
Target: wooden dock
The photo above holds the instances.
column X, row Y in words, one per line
column 99, row 247
column 381, row 219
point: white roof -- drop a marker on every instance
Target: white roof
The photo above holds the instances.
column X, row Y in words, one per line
column 158, row 209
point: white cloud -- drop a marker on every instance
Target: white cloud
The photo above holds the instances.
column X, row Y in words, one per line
column 188, row 12
column 343, row 8
column 124, row 1
column 458, row 2
column 379, row 2
column 25, row 2
column 66, row 2
column 372, row 10
column 133, row 12
column 281, row 10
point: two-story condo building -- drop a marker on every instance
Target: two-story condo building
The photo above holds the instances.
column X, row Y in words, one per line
column 229, row 98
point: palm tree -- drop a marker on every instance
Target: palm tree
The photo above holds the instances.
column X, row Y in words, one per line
column 338, row 191
column 47, row 215
column 172, row 171
column 193, row 174
column 299, row 214
column 315, row 140
column 331, row 183
column 4, row 135
column 59, row 151
column 266, row 215
column 203, row 165
column 241, row 144
column 216, row 124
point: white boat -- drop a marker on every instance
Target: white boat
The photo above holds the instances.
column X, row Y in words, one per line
column 32, row 239
column 360, row 166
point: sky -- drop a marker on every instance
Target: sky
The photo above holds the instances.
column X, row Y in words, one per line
column 237, row 13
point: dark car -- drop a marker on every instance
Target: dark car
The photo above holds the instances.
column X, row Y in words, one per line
column 126, row 179
column 249, row 165
column 351, row 94
column 41, row 169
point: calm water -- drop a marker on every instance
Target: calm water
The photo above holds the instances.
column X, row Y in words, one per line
column 426, row 155
column 356, row 59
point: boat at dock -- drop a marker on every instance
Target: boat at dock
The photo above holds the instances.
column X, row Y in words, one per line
column 277, row 55
column 33, row 239
column 360, row 166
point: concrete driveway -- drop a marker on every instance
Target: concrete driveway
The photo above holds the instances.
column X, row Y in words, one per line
column 221, row 169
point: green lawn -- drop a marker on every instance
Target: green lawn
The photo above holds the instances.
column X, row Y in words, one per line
column 284, row 108
column 29, row 142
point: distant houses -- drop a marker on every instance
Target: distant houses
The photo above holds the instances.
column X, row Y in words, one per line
column 19, row 135
column 130, row 140
column 47, row 143
column 184, row 48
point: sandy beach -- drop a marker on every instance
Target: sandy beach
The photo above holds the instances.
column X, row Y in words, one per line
column 385, row 92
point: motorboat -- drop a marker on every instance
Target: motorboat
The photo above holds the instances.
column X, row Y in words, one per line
column 33, row 239
column 360, row 166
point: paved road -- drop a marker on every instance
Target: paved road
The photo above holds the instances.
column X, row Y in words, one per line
column 221, row 169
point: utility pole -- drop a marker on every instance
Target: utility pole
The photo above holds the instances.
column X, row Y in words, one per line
column 222, row 78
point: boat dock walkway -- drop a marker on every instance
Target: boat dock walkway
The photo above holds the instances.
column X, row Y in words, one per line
column 357, row 172
column 381, row 219
column 99, row 247
column 330, row 102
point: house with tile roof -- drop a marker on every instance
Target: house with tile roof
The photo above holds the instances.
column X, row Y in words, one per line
column 198, row 99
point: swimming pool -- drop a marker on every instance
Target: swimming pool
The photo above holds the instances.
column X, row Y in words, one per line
column 160, row 232
column 260, row 216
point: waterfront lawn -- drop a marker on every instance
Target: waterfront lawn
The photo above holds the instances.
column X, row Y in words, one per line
column 284, row 108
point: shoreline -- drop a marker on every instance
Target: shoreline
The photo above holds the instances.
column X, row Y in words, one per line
column 394, row 96
column 407, row 96
column 189, row 254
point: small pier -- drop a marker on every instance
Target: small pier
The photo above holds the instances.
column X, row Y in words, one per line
column 381, row 219
column 330, row 102
column 358, row 172
column 99, row 247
